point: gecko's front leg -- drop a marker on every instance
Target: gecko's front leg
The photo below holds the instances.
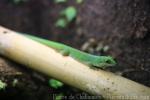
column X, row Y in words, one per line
column 65, row 52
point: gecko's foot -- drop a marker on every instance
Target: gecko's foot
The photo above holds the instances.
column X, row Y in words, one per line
column 65, row 52
column 96, row 68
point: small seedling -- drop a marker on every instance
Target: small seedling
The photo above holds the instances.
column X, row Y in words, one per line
column 79, row 1
column 15, row 82
column 2, row 85
column 67, row 16
column 62, row 23
column 69, row 13
column 60, row 1
column 55, row 83
column 63, row 1
column 16, row 2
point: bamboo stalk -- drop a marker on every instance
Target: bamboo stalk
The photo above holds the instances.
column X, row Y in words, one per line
column 68, row 70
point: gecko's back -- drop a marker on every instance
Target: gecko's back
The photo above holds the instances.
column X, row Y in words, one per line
column 74, row 53
column 52, row 44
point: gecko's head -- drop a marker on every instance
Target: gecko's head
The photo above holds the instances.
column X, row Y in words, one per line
column 104, row 61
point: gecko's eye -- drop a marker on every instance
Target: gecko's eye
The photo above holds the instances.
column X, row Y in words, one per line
column 108, row 61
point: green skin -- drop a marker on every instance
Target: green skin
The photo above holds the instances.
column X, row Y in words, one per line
column 85, row 58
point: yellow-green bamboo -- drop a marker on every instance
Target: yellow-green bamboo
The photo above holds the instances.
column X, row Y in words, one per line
column 46, row 60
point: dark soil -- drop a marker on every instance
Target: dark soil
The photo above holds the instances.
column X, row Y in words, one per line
column 122, row 25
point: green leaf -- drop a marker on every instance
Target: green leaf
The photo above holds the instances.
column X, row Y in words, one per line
column 79, row 1
column 15, row 82
column 61, row 23
column 70, row 13
column 60, row 1
column 17, row 2
column 2, row 85
column 55, row 83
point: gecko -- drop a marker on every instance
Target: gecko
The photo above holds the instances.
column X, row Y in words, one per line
column 83, row 57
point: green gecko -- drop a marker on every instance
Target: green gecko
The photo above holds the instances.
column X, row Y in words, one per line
column 83, row 57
